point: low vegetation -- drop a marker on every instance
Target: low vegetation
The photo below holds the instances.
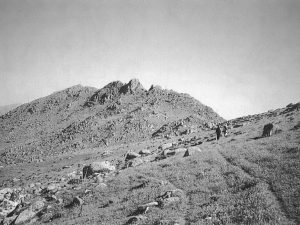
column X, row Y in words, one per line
column 242, row 178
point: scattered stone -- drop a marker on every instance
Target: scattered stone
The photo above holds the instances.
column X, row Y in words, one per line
column 149, row 158
column 77, row 201
column 3, row 192
column 51, row 212
column 98, row 167
column 30, row 213
column 180, row 151
column 8, row 220
column 53, row 187
column 135, row 162
column 135, row 219
column 16, row 180
column 143, row 208
column 72, row 175
column 172, row 222
column 145, row 152
column 173, row 152
column 166, row 202
column 165, row 146
column 7, row 206
column 131, row 155
column 66, row 167
column 192, row 151
column 74, row 181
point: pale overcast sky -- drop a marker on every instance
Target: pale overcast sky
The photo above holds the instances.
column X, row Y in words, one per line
column 238, row 56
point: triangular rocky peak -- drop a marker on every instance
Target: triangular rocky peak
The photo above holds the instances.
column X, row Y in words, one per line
column 133, row 86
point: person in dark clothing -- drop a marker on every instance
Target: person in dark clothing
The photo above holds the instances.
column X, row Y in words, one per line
column 225, row 129
column 218, row 131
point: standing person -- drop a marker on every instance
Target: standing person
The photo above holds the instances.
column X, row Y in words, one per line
column 218, row 131
column 225, row 129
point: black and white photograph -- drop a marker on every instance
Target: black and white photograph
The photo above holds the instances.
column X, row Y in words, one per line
column 150, row 112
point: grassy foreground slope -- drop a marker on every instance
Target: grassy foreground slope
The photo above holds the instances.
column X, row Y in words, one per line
column 240, row 179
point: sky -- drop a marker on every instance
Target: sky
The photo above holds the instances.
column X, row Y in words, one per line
column 239, row 57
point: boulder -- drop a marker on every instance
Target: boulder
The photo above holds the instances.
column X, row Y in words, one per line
column 149, row 158
column 98, row 167
column 53, row 187
column 173, row 152
column 135, row 162
column 166, row 202
column 268, row 129
column 131, row 155
column 8, row 220
column 180, row 151
column 180, row 221
column 192, row 151
column 145, row 152
column 150, row 204
column 165, row 146
column 3, row 192
column 30, row 213
column 134, row 219
column 102, row 167
column 77, row 201
column 7, row 206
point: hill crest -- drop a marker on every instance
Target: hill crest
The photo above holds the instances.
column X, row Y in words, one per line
column 85, row 117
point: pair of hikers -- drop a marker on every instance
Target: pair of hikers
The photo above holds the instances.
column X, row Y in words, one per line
column 219, row 132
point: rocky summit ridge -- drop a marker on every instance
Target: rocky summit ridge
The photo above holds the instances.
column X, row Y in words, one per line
column 80, row 117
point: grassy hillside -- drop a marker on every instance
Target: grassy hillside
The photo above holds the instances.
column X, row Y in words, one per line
column 240, row 179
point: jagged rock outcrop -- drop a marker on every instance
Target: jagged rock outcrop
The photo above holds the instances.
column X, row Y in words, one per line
column 133, row 86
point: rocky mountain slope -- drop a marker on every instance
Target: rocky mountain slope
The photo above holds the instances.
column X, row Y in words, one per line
column 172, row 177
column 6, row 108
column 85, row 118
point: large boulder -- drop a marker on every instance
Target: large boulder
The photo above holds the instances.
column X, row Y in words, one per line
column 98, row 167
column 268, row 129
column 135, row 162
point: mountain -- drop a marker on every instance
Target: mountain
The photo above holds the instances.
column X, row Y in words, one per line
column 126, row 155
column 6, row 108
column 85, row 117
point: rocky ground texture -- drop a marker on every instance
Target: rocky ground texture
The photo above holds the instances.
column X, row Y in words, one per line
column 175, row 172
column 84, row 117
